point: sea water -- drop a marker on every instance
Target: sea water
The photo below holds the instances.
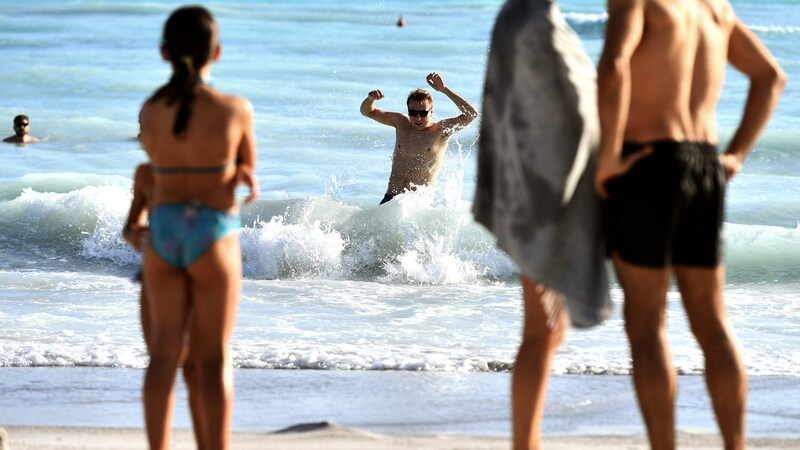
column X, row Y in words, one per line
column 336, row 287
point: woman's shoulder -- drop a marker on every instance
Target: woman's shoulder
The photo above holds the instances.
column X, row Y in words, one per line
column 143, row 174
column 238, row 102
column 150, row 108
column 219, row 105
column 235, row 105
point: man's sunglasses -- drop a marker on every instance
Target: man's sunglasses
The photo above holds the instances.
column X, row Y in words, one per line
column 418, row 112
column 21, row 124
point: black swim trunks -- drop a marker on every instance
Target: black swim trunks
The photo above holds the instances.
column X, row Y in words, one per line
column 668, row 209
column 386, row 198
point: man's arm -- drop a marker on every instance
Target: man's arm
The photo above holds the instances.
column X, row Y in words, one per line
column 368, row 109
column 751, row 57
column 624, row 31
column 468, row 112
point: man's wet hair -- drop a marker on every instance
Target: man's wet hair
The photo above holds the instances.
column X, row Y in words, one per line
column 20, row 118
column 419, row 95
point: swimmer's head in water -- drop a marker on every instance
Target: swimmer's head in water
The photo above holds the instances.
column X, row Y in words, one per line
column 21, row 125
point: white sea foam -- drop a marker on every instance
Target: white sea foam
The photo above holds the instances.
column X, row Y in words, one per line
column 80, row 320
column 775, row 29
column 419, row 237
column 762, row 253
column 276, row 249
column 359, row 358
column 586, row 18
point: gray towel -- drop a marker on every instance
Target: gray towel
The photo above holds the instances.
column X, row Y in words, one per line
column 536, row 160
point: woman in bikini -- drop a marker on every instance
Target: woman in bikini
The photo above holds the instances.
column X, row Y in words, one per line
column 137, row 233
column 201, row 146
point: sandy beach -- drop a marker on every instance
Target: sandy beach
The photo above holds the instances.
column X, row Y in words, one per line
column 70, row 408
column 330, row 436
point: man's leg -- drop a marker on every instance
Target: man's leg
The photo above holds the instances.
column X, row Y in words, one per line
column 532, row 368
column 653, row 375
column 701, row 290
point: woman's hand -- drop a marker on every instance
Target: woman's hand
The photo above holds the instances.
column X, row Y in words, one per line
column 137, row 236
column 245, row 176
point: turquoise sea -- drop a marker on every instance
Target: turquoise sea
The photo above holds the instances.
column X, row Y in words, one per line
column 400, row 319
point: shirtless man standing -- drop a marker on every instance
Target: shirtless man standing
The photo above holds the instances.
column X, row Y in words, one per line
column 420, row 144
column 659, row 79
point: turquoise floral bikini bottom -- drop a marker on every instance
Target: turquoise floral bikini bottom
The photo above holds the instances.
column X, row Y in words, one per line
column 181, row 232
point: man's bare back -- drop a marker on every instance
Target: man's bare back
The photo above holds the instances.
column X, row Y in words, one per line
column 667, row 62
column 420, row 143
column 661, row 68
column 715, row 22
column 684, row 47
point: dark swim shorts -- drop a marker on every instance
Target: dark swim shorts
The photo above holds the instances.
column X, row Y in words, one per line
column 668, row 209
column 386, row 198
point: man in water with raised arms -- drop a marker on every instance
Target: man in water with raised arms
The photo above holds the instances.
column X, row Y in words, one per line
column 659, row 81
column 420, row 144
